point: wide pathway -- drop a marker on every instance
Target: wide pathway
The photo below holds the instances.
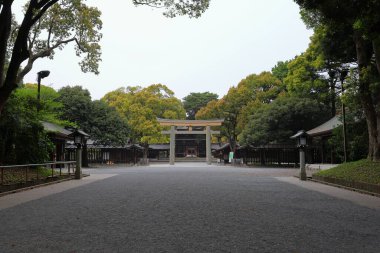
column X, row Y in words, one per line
column 189, row 208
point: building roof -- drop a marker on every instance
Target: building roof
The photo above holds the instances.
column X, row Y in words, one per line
column 326, row 128
column 177, row 122
column 56, row 129
column 92, row 144
column 159, row 146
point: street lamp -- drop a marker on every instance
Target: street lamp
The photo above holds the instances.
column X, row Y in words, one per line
column 40, row 75
column 301, row 137
column 79, row 139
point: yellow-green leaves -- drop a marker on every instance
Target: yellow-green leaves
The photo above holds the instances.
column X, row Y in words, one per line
column 142, row 106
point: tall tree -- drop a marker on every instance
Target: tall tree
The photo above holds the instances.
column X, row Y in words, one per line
column 277, row 121
column 195, row 101
column 48, row 25
column 76, row 105
column 99, row 120
column 361, row 21
column 141, row 107
column 240, row 102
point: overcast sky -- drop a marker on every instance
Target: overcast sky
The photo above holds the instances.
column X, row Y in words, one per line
column 141, row 47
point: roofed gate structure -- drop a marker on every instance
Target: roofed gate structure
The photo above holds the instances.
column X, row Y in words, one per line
column 190, row 128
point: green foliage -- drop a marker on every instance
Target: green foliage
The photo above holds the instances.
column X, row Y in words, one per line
column 66, row 22
column 76, row 103
column 364, row 171
column 96, row 118
column 357, row 140
column 192, row 8
column 240, row 102
column 353, row 28
column 277, row 121
column 50, row 108
column 46, row 26
column 195, row 101
column 22, row 137
column 142, row 106
column 280, row 71
column 304, row 79
column 106, row 126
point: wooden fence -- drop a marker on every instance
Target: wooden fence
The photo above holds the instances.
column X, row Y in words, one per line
column 18, row 176
column 276, row 154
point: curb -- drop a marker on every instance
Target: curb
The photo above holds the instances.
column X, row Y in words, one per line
column 345, row 187
column 39, row 185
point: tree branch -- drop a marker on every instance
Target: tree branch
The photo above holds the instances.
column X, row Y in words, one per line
column 147, row 3
column 45, row 53
column 44, row 6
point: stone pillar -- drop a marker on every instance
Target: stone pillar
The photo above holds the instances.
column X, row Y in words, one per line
column 172, row 145
column 208, row 145
column 302, row 164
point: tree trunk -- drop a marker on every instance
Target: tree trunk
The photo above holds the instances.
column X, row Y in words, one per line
column 20, row 52
column 376, row 50
column 332, row 97
column 364, row 52
column 5, row 29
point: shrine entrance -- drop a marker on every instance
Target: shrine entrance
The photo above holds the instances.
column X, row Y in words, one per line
column 190, row 138
column 191, row 151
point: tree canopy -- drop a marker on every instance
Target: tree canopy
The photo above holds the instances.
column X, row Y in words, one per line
column 22, row 136
column 102, row 122
column 277, row 121
column 142, row 106
column 195, row 101
column 48, row 25
column 192, row 8
column 358, row 24
column 240, row 102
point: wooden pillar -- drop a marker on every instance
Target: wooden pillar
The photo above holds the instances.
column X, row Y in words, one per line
column 78, row 169
column 172, row 145
column 208, row 145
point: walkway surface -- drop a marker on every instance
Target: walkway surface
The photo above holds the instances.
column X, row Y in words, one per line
column 189, row 208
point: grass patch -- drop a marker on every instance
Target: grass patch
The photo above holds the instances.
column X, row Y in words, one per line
column 360, row 171
column 17, row 175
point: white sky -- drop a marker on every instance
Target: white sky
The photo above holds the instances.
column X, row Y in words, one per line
column 141, row 47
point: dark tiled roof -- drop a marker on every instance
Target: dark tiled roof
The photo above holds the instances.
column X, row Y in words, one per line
column 325, row 128
column 56, row 129
column 160, row 146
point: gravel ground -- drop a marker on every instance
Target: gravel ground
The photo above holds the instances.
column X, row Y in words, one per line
column 189, row 208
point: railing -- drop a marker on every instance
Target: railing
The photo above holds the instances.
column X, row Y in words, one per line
column 33, row 173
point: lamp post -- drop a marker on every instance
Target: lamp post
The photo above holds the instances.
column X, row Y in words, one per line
column 79, row 139
column 40, row 75
column 301, row 137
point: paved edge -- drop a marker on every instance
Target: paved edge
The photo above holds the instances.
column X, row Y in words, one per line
column 352, row 196
column 39, row 185
column 346, row 187
column 18, row 198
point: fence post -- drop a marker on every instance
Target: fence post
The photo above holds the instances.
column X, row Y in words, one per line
column 26, row 174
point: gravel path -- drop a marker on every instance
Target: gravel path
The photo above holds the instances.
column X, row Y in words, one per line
column 189, row 209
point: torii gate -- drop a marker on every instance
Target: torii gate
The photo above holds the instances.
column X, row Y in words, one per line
column 205, row 124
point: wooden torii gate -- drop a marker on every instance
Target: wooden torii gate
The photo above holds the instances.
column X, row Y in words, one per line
column 187, row 128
